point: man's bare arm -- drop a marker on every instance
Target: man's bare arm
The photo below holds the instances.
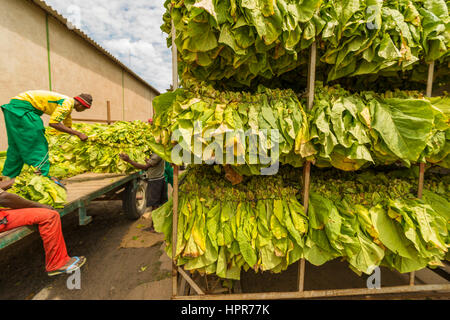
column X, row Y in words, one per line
column 12, row 201
column 138, row 165
column 135, row 164
column 61, row 127
column 5, row 185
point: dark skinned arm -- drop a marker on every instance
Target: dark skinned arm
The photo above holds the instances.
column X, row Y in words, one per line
column 12, row 201
column 61, row 127
column 5, row 185
column 139, row 166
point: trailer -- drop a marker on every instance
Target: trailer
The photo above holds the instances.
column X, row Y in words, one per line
column 88, row 187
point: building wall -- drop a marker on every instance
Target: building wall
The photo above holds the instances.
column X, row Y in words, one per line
column 23, row 58
column 138, row 100
column 76, row 67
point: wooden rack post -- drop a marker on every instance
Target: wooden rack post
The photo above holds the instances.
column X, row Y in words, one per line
column 174, row 60
column 108, row 112
column 175, row 174
column 429, row 93
column 176, row 270
column 174, row 231
column 307, row 168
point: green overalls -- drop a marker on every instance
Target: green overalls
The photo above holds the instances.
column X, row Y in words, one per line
column 26, row 138
column 168, row 175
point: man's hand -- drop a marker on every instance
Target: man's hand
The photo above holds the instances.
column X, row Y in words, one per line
column 82, row 136
column 125, row 157
column 61, row 127
column 5, row 185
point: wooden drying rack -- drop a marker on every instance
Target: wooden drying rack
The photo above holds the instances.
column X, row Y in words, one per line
column 108, row 116
column 301, row 293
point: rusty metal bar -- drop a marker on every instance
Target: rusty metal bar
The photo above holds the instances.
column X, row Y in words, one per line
column 321, row 293
column 191, row 282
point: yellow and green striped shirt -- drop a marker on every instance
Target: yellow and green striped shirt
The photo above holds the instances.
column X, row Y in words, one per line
column 58, row 106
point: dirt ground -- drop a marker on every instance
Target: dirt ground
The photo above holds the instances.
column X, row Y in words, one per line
column 126, row 261
column 111, row 271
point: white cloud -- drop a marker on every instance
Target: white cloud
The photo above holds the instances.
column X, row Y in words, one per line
column 130, row 30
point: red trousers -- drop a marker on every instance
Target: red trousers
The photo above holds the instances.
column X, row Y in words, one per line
column 49, row 223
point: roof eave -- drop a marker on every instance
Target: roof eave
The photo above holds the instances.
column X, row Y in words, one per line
column 55, row 14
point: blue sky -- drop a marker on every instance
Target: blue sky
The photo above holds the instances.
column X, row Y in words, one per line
column 130, row 30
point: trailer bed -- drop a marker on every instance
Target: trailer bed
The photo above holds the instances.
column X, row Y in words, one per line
column 81, row 190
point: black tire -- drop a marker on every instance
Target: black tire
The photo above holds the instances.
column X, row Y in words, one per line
column 134, row 200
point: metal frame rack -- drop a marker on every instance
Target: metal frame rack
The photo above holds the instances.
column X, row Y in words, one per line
column 301, row 293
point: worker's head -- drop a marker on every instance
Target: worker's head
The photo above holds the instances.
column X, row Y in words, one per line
column 150, row 120
column 83, row 102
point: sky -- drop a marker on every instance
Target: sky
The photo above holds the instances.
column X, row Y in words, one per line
column 129, row 30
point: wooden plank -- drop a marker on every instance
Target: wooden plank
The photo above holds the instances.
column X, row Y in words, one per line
column 192, row 283
column 84, row 185
column 9, row 237
column 321, row 293
column 7, row 233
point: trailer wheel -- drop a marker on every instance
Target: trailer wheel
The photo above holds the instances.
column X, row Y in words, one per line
column 134, row 200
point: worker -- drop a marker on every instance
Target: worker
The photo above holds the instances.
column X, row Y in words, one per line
column 156, row 182
column 23, row 212
column 168, row 170
column 26, row 133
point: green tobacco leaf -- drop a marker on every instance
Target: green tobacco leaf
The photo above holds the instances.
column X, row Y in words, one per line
column 404, row 125
column 246, row 249
column 391, row 234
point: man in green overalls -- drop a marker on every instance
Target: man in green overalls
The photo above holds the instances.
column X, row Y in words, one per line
column 26, row 133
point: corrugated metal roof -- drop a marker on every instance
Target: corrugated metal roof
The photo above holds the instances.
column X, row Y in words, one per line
column 47, row 8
